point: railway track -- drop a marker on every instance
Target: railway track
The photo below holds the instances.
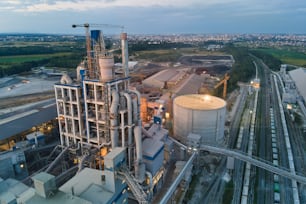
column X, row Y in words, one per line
column 264, row 187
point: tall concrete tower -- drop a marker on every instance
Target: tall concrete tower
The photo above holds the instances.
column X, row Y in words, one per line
column 99, row 111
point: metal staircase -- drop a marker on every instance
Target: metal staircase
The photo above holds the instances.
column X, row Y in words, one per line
column 136, row 189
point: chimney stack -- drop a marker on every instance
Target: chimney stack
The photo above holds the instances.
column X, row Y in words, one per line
column 125, row 54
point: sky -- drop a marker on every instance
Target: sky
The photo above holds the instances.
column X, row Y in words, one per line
column 155, row 16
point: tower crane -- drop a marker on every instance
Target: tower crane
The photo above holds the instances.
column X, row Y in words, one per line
column 88, row 42
column 223, row 81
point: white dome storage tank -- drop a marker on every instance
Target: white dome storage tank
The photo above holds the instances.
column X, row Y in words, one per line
column 199, row 114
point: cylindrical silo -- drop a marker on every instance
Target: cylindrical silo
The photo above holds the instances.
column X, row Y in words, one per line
column 199, row 114
column 106, row 64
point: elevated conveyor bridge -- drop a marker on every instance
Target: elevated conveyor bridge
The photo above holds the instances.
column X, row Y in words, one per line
column 269, row 166
column 256, row 162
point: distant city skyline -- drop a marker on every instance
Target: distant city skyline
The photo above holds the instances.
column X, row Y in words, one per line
column 155, row 17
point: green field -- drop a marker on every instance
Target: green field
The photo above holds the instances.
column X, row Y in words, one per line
column 28, row 58
column 158, row 55
column 29, row 44
column 171, row 55
column 287, row 56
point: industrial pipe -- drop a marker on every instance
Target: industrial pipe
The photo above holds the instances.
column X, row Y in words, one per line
column 66, row 79
column 129, row 112
column 57, row 159
column 138, row 105
column 146, row 133
column 139, row 165
column 138, row 141
column 113, row 118
column 135, row 111
column 80, row 72
column 129, row 109
column 81, row 164
column 122, row 127
column 149, row 175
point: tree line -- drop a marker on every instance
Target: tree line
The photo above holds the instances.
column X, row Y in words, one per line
column 272, row 62
column 36, row 50
column 243, row 69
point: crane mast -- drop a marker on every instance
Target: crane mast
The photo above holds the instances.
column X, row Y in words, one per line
column 90, row 68
column 88, row 48
column 223, row 81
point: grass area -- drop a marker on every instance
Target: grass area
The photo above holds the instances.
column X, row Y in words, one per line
column 28, row 44
column 199, row 51
column 192, row 185
column 159, row 55
column 28, row 58
column 172, row 55
column 228, row 192
column 287, row 56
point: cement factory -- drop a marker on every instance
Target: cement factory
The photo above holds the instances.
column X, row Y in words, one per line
column 122, row 145
column 113, row 149
column 100, row 119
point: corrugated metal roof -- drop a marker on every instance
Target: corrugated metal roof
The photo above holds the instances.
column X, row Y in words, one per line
column 299, row 77
column 169, row 75
column 157, row 132
column 58, row 198
column 190, row 85
column 96, row 194
column 22, row 124
column 114, row 153
column 88, row 185
column 151, row 147
column 82, row 181
column 11, row 189
column 165, row 75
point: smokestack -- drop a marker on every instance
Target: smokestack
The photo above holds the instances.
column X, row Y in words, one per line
column 125, row 54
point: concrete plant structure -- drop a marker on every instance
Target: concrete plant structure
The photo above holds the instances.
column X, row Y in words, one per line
column 99, row 113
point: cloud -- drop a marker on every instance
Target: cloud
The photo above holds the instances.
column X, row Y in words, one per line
column 155, row 16
column 231, row 7
column 301, row 9
column 223, row 7
column 6, row 8
column 83, row 5
column 13, row 2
